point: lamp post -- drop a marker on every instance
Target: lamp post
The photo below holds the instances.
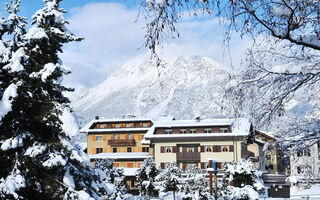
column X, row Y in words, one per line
column 212, row 169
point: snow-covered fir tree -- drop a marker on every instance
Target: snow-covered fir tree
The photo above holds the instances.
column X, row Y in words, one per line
column 145, row 177
column 169, row 179
column 241, row 181
column 38, row 160
column 195, row 185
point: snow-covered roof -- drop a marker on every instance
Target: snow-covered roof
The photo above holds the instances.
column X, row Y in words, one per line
column 240, row 127
column 119, row 155
column 130, row 171
column 86, row 128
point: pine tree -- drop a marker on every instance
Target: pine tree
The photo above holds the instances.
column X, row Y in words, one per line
column 169, row 179
column 145, row 177
column 245, row 181
column 38, row 159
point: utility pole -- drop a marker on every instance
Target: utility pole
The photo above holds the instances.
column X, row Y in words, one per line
column 212, row 169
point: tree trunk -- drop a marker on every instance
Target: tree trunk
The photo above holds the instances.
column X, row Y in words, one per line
column 174, row 195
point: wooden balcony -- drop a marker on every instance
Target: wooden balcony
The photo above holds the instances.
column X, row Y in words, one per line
column 122, row 142
column 188, row 156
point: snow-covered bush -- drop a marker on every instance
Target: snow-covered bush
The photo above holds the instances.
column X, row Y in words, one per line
column 241, row 181
column 194, row 185
column 169, row 179
column 145, row 177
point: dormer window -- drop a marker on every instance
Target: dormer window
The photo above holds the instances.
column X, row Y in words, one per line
column 128, row 125
column 145, row 124
column 168, row 131
column 117, row 125
column 183, row 131
column 207, row 130
column 193, row 130
column 223, row 130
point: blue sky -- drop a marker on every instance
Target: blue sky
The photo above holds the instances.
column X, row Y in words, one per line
column 113, row 37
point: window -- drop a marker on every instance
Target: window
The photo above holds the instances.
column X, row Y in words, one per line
column 99, row 150
column 268, row 157
column 129, row 165
column 115, row 136
column 129, row 136
column 224, row 148
column 117, row 125
column 114, row 149
column 101, row 126
column 304, row 152
column 116, row 164
column 145, row 124
column 299, row 170
column 168, row 149
column 193, row 130
column 207, row 130
column 132, row 184
column 128, row 125
column 223, row 130
column 183, row 131
column 208, row 149
column 168, row 131
column 145, row 149
column 99, row 138
column 129, row 149
column 190, row 149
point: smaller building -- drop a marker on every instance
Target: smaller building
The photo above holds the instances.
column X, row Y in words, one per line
column 193, row 142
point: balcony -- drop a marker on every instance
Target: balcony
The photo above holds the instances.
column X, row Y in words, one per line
column 122, row 142
column 188, row 156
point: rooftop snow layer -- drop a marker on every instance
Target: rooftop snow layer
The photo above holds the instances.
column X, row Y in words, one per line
column 240, row 127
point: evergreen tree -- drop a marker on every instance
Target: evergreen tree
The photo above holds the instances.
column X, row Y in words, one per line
column 38, row 160
column 241, row 181
column 169, row 179
column 112, row 177
column 145, row 177
column 194, row 185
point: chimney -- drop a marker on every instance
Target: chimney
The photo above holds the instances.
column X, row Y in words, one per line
column 97, row 117
column 123, row 116
column 131, row 116
column 198, row 119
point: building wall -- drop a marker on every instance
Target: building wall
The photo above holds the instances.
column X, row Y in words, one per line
column 92, row 144
column 270, row 158
column 309, row 165
column 204, row 156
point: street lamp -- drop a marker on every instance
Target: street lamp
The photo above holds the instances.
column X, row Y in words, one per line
column 212, row 168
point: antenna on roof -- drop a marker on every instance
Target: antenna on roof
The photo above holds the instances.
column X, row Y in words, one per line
column 97, row 117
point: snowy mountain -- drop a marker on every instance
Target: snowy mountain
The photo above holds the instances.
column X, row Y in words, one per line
column 186, row 87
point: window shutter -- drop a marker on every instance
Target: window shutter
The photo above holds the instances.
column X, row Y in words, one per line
column 202, row 165
column 183, row 165
column 140, row 137
column 111, row 150
column 174, row 149
column 162, row 165
column 219, row 165
column 140, row 149
column 126, row 149
column 140, row 124
column 113, row 125
column 118, row 150
column 126, row 137
column 218, row 148
column 231, row 148
column 131, row 124
column 94, row 138
column 105, row 126
column 104, row 150
column 201, row 148
column 93, row 150
column 104, row 138
column 120, row 125
column 139, row 164
column 97, row 125
column 132, row 149
column 162, row 150
column 184, row 149
column 149, row 124
column 196, row 149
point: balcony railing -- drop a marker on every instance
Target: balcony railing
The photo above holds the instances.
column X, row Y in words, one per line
column 188, row 156
column 122, row 142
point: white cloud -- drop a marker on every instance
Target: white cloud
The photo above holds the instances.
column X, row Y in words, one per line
column 112, row 37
